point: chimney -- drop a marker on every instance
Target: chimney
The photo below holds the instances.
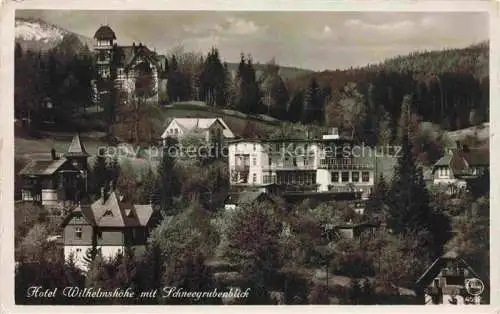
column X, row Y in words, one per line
column 53, row 154
column 103, row 196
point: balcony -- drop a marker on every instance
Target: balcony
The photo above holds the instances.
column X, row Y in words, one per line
column 289, row 167
column 103, row 47
column 339, row 164
column 295, row 188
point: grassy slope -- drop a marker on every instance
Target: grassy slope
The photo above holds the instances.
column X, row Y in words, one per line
column 236, row 120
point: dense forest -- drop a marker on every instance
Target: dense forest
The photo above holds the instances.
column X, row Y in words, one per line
column 449, row 88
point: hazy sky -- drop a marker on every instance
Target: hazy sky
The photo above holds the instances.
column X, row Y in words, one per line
column 313, row 40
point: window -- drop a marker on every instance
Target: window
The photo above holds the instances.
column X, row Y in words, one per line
column 365, row 176
column 78, row 232
column 254, row 147
column 176, row 131
column 99, row 235
column 355, row 176
column 254, row 178
column 345, row 176
column 335, row 176
column 254, row 161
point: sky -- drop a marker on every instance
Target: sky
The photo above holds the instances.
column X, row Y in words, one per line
column 310, row 40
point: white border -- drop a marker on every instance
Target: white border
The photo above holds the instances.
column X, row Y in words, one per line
column 7, row 136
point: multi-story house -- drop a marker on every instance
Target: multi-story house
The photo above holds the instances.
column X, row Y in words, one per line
column 450, row 280
column 459, row 166
column 330, row 165
column 205, row 128
column 109, row 225
column 56, row 179
column 135, row 69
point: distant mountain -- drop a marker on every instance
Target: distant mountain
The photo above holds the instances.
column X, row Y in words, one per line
column 472, row 60
column 287, row 73
column 34, row 34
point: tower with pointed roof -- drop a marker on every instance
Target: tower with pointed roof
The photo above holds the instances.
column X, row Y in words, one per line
column 77, row 155
column 104, row 41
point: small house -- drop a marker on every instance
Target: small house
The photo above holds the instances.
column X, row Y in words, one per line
column 459, row 166
column 450, row 280
column 54, row 179
column 109, row 225
column 206, row 128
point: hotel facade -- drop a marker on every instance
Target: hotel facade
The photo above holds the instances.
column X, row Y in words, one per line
column 331, row 164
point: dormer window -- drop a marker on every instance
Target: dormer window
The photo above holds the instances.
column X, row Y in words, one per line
column 108, row 212
column 78, row 233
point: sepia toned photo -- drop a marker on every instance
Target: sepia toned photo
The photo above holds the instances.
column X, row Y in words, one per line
column 251, row 157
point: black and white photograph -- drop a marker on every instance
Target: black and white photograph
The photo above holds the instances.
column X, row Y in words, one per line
column 210, row 157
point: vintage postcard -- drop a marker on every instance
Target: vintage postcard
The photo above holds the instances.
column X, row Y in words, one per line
column 164, row 155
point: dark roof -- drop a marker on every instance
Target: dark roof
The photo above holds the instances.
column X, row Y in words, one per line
column 42, row 167
column 476, row 157
column 114, row 213
column 76, row 148
column 440, row 262
column 246, row 197
column 460, row 160
column 125, row 55
column 105, row 33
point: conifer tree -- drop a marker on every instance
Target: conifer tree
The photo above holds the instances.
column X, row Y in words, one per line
column 167, row 186
column 409, row 211
column 99, row 173
column 378, row 197
column 384, row 130
column 313, row 105
column 295, row 107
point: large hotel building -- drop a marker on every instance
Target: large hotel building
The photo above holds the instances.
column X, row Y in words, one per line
column 329, row 166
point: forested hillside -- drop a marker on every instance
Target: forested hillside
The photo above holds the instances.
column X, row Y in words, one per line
column 448, row 88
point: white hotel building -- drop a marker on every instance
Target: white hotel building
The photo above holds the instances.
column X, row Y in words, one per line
column 324, row 166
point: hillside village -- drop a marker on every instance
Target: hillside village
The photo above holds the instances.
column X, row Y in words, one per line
column 145, row 170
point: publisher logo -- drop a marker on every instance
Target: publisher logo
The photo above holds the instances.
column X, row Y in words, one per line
column 474, row 286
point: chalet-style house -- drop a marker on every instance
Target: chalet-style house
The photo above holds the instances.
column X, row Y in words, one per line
column 236, row 200
column 134, row 69
column 459, row 166
column 110, row 225
column 205, row 128
column 317, row 168
column 57, row 179
column 449, row 280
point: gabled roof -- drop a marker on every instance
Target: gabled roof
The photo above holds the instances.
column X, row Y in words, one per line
column 433, row 270
column 115, row 213
column 476, row 157
column 247, row 197
column 42, row 167
column 192, row 124
column 460, row 160
column 76, row 148
column 105, row 33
